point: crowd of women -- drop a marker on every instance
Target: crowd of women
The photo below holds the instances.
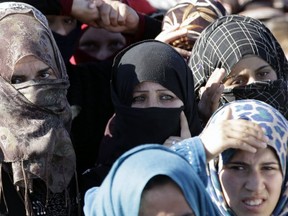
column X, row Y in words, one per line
column 177, row 112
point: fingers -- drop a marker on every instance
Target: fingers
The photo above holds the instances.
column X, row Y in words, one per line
column 185, row 131
column 171, row 35
column 248, row 132
column 216, row 77
column 237, row 134
column 227, row 114
column 116, row 16
column 92, row 4
column 172, row 140
column 245, row 141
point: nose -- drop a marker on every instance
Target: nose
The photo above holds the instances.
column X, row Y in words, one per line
column 58, row 28
column 251, row 80
column 255, row 182
column 102, row 54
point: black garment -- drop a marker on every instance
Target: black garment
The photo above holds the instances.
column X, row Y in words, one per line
column 59, row 204
column 145, row 61
column 47, row 7
column 90, row 89
column 232, row 38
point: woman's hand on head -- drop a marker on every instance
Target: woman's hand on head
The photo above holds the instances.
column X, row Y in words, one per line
column 210, row 94
column 232, row 133
column 184, row 133
column 172, row 34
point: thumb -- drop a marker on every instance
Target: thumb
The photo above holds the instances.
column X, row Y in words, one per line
column 227, row 115
column 185, row 131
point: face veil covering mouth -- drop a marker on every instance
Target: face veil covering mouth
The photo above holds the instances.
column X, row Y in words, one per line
column 35, row 116
column 274, row 93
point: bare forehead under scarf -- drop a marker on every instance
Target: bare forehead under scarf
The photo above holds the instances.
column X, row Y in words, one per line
column 23, row 35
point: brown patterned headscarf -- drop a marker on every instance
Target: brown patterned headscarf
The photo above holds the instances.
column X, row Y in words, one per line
column 34, row 115
column 193, row 17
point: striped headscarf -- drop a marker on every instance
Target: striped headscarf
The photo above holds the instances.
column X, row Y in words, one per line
column 194, row 17
column 276, row 128
column 228, row 40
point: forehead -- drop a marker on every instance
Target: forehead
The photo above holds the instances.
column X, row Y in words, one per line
column 250, row 63
column 261, row 156
column 148, row 85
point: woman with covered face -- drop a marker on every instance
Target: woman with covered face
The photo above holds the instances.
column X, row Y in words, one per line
column 37, row 158
column 152, row 93
column 238, row 58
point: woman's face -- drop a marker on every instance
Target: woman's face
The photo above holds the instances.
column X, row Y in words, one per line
column 249, row 70
column 150, row 94
column 29, row 68
column 164, row 200
column 101, row 44
column 251, row 183
column 62, row 25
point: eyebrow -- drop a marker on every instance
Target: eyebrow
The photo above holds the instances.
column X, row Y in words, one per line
column 148, row 90
column 44, row 69
column 243, row 163
column 233, row 76
column 264, row 66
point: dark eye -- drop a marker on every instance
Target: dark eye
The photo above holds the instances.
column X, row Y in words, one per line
column 89, row 46
column 45, row 74
column 138, row 99
column 270, row 168
column 262, row 75
column 239, row 81
column 17, row 79
column 116, row 45
column 236, row 167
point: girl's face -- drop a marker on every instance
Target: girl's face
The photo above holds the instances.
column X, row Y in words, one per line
column 251, row 183
column 164, row 200
column 150, row 94
column 249, row 70
column 29, row 68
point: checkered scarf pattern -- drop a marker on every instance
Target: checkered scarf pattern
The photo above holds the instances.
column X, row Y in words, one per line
column 228, row 40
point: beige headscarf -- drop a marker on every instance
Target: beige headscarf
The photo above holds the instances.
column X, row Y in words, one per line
column 34, row 115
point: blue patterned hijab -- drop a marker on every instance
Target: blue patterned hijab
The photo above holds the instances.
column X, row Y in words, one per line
column 120, row 193
column 276, row 127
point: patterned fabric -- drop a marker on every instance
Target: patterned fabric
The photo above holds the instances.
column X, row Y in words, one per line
column 230, row 39
column 276, row 127
column 120, row 193
column 34, row 115
column 194, row 17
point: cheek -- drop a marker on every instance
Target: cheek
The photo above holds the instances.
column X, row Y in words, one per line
column 230, row 186
column 274, row 185
column 273, row 76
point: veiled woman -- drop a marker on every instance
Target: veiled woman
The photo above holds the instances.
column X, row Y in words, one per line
column 235, row 58
column 37, row 157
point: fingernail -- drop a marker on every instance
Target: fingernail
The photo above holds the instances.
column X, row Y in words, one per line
column 264, row 144
column 266, row 138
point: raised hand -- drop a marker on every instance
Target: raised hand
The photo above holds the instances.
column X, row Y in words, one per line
column 232, row 133
column 184, row 133
column 211, row 93
column 172, row 34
